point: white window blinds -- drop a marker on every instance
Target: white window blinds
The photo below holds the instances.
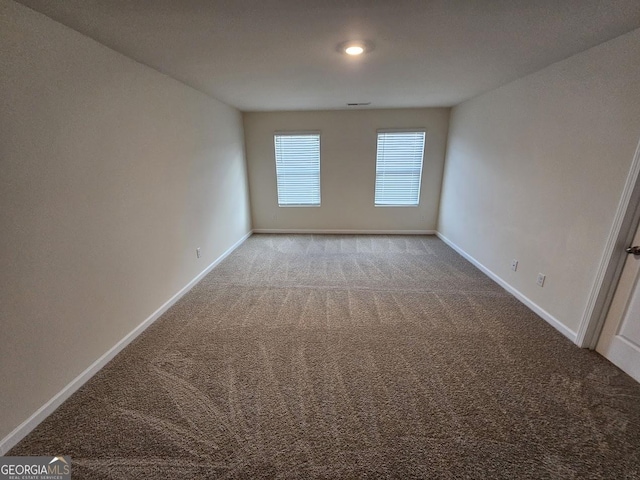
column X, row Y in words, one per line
column 399, row 168
column 298, row 168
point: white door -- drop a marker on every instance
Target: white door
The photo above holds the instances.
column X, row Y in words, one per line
column 620, row 338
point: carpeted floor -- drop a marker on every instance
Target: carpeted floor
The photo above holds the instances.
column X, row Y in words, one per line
column 348, row 357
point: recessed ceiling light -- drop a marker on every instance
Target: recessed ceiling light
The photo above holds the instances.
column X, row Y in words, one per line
column 354, row 50
column 355, row 47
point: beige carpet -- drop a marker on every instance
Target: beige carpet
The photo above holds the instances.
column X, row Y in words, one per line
column 347, row 357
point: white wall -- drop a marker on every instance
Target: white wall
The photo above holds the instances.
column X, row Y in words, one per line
column 347, row 169
column 111, row 174
column 535, row 170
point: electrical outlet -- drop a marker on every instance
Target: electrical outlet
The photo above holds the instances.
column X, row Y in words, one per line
column 540, row 280
column 514, row 264
column 198, row 252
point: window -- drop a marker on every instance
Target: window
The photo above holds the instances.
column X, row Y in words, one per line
column 399, row 168
column 298, row 169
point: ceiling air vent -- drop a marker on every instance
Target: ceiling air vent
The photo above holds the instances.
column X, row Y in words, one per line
column 362, row 104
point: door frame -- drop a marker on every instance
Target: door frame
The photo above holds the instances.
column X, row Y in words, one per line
column 625, row 224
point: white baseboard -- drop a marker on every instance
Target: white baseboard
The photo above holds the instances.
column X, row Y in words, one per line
column 345, row 232
column 48, row 408
column 550, row 319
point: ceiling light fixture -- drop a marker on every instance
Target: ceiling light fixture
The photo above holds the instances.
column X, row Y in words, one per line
column 355, row 48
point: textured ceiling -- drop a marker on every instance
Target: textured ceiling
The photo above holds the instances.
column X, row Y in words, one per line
column 281, row 54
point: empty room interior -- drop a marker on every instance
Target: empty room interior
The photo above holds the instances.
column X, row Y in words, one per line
column 321, row 240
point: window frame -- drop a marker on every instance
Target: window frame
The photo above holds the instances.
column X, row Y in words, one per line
column 293, row 133
column 424, row 147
